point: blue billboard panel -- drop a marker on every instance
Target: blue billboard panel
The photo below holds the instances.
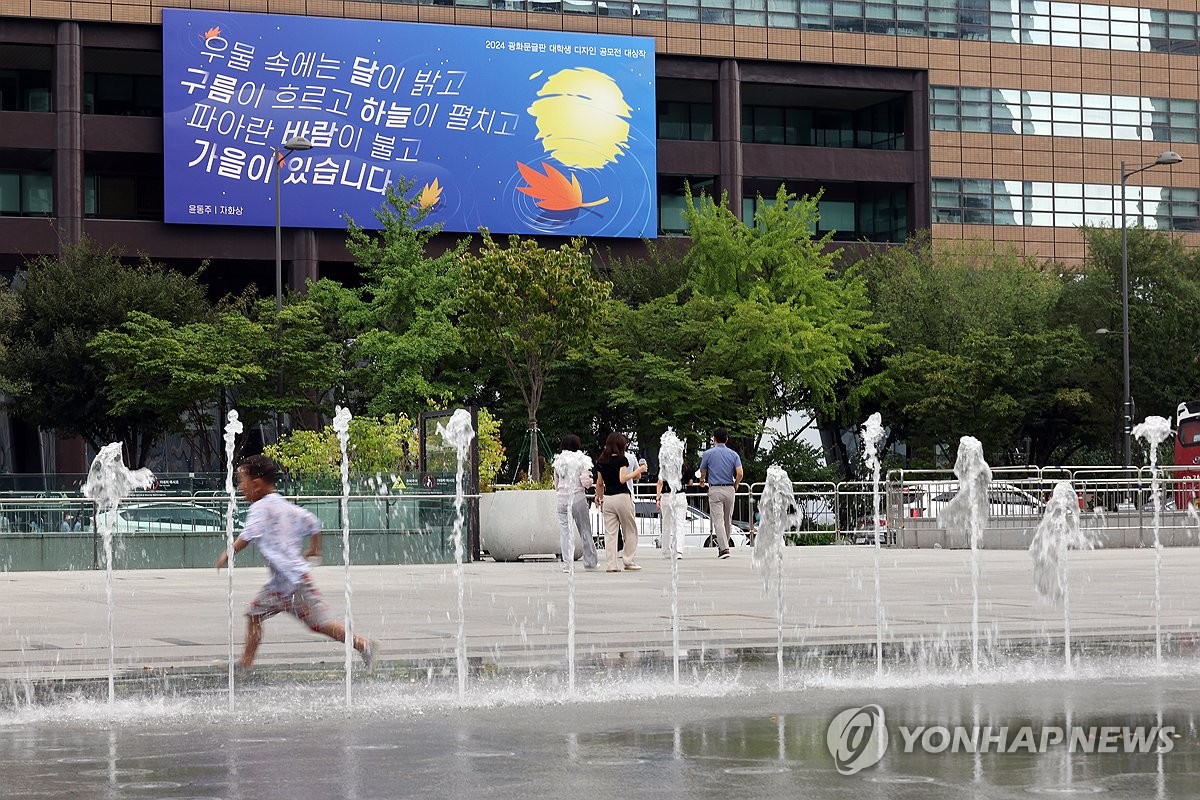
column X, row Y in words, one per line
column 530, row 132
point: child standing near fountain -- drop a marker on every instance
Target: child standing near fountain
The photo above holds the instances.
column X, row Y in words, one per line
column 277, row 528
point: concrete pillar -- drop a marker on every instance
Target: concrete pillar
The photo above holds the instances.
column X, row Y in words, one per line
column 68, row 111
column 306, row 262
column 729, row 133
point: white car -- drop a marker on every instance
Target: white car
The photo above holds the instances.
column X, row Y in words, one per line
column 1004, row 500
column 697, row 527
column 167, row 517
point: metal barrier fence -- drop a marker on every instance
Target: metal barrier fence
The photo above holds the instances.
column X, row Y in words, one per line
column 56, row 530
column 62, row 532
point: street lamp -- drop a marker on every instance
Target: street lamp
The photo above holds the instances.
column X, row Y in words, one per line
column 1165, row 158
column 291, row 145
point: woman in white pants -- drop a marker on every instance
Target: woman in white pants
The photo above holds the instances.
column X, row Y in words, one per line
column 572, row 479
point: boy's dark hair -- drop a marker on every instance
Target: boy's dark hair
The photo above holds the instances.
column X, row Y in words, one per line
column 721, row 435
column 260, row 467
column 571, row 442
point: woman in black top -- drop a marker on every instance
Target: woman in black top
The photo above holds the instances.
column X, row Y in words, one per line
column 615, row 501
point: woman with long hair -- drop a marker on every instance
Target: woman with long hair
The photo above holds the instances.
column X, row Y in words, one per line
column 616, row 501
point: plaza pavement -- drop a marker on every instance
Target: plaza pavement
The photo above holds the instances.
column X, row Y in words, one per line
column 54, row 626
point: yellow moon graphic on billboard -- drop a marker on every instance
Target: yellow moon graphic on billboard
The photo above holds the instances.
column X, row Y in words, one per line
column 582, row 118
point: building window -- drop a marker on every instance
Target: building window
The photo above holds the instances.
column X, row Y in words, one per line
column 848, row 212
column 26, row 194
column 876, row 127
column 685, row 121
column 25, row 80
column 1042, row 113
column 672, row 199
column 122, row 186
column 1063, row 205
column 125, row 83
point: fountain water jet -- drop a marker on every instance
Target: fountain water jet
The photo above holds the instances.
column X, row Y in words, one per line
column 1058, row 532
column 569, row 465
column 232, row 429
column 778, row 514
column 969, row 511
column 459, row 432
column 341, row 427
column 872, row 436
column 108, row 482
column 1154, row 431
column 670, row 463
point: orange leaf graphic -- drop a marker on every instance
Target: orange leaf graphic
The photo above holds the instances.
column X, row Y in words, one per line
column 211, row 33
column 553, row 191
column 429, row 195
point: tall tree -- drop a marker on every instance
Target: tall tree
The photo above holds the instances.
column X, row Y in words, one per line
column 762, row 324
column 524, row 306
column 976, row 346
column 1164, row 342
column 57, row 381
column 401, row 346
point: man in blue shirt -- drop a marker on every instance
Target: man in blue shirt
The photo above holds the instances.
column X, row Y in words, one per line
column 721, row 470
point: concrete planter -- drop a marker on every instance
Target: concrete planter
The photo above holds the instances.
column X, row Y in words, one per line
column 521, row 523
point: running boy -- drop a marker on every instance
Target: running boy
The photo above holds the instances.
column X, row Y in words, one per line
column 277, row 527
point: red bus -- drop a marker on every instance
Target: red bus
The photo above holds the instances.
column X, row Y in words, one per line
column 1187, row 455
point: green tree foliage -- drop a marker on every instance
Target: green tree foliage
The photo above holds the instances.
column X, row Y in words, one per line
column 308, row 358
column 57, row 380
column 401, row 346
column 170, row 376
column 524, row 306
column 978, row 348
column 1164, row 304
column 761, row 324
column 385, row 446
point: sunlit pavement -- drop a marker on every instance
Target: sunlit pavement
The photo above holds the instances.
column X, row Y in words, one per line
column 55, row 625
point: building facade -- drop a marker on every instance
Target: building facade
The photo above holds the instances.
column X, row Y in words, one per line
column 1003, row 120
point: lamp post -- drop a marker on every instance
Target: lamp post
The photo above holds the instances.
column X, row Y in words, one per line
column 1165, row 158
column 291, row 145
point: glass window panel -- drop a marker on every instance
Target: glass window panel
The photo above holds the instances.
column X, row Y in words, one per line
column 1067, row 114
column 778, row 19
column 37, row 197
column 1131, row 14
column 1096, row 42
column 1094, row 26
column 1037, row 113
column 1097, row 115
column 754, row 18
column 1036, row 128
column 836, row 215
column 1097, row 101
column 977, row 216
column 1068, row 220
column 1092, row 131
column 816, row 6
column 1066, row 99
column 702, row 122
column 671, row 208
column 1040, row 219
column 1185, row 195
column 689, row 13
column 847, row 8
column 1092, row 11
column 976, row 125
column 10, row 193
column 792, row 6
column 1064, row 39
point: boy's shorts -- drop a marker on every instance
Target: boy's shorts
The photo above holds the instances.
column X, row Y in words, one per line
column 303, row 602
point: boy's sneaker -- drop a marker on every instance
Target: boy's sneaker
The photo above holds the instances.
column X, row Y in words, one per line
column 368, row 654
column 723, row 554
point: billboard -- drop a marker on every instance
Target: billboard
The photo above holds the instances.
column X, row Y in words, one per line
column 529, row 132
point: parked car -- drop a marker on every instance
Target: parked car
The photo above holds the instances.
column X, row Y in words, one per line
column 1004, row 500
column 167, row 517
column 697, row 527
